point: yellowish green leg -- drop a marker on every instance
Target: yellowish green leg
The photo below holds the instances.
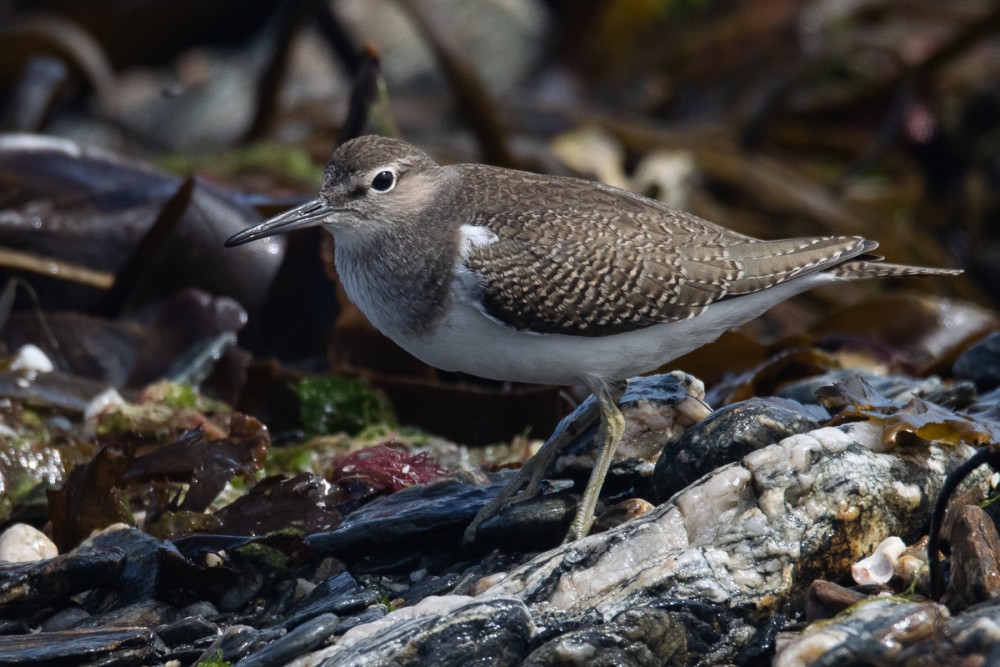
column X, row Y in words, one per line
column 612, row 429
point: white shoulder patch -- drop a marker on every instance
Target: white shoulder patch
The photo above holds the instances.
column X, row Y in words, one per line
column 474, row 236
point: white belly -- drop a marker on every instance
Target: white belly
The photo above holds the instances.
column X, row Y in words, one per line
column 467, row 340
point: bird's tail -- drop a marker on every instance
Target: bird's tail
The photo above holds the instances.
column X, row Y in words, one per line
column 871, row 266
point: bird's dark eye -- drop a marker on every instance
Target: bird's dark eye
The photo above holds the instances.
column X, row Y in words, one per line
column 384, row 181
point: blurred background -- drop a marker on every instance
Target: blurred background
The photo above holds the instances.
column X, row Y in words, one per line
column 139, row 135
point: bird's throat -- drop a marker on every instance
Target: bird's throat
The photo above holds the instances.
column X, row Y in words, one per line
column 401, row 288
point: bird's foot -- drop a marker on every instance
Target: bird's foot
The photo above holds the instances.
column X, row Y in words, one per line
column 527, row 483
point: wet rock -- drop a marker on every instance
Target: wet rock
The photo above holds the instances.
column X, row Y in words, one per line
column 249, row 583
column 751, row 536
column 455, row 630
column 826, row 599
column 644, row 637
column 621, row 512
column 727, row 435
column 373, row 613
column 897, row 388
column 29, row 587
column 427, row 519
column 976, row 632
column 239, row 641
column 890, row 631
column 139, row 578
column 981, row 363
column 8, row 627
column 106, row 647
column 302, row 639
column 148, row 614
column 202, row 608
column 975, row 559
column 64, row 619
column 22, row 543
column 431, row 585
column 532, row 525
column 187, row 631
column 337, row 595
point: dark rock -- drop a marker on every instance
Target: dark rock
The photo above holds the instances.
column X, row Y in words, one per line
column 74, row 647
column 249, row 583
column 342, row 605
column 826, row 599
column 431, row 585
column 891, row 631
column 533, row 525
column 338, row 594
column 140, row 576
column 302, row 639
column 9, row 627
column 976, row 632
column 981, row 363
column 725, row 436
column 396, row 530
column 201, row 608
column 370, row 614
column 240, row 641
column 975, row 559
column 148, row 614
column 64, row 619
column 449, row 633
column 28, row 587
column 643, row 637
column 186, row 631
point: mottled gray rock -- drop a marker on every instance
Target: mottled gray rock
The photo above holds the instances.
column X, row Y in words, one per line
column 727, row 435
column 716, row 567
column 751, row 536
column 451, row 631
column 890, row 631
column 643, row 637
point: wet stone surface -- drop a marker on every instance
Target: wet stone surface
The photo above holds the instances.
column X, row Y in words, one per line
column 734, row 565
column 725, row 436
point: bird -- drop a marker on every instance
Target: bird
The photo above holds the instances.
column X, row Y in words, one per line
column 524, row 277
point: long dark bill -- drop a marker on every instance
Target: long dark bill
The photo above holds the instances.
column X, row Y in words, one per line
column 312, row 213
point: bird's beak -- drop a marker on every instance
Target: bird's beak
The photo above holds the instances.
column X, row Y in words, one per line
column 312, row 213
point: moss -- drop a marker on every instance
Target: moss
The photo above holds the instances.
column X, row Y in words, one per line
column 331, row 404
column 215, row 660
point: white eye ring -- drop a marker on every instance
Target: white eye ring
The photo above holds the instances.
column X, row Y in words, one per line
column 384, row 181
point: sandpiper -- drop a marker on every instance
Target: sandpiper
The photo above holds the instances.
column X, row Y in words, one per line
column 524, row 277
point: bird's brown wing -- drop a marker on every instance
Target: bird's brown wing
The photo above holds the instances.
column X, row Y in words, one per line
column 591, row 260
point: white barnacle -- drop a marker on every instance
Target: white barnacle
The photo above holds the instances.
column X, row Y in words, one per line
column 881, row 565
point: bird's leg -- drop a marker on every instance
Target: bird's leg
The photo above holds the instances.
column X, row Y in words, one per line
column 612, row 429
column 528, row 480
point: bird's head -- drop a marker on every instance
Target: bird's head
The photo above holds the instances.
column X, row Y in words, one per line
column 370, row 185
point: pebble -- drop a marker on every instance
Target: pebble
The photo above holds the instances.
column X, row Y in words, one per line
column 22, row 543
